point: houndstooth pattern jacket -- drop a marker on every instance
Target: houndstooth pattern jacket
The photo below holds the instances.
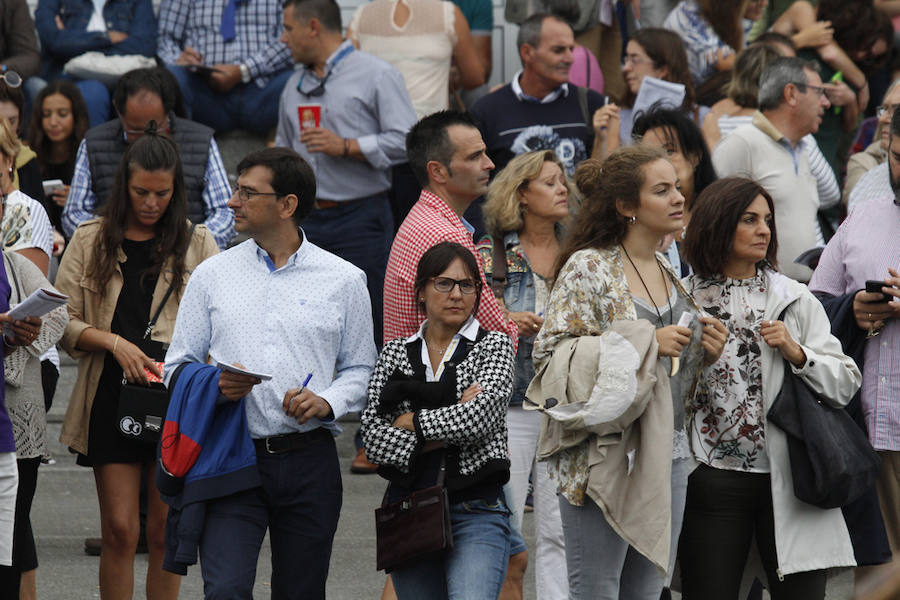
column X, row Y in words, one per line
column 476, row 428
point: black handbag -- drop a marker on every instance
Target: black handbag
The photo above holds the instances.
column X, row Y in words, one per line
column 414, row 527
column 142, row 408
column 832, row 461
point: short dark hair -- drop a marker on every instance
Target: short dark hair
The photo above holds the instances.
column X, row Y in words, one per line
column 14, row 95
column 531, row 28
column 675, row 124
column 778, row 74
column 290, row 175
column 709, row 239
column 143, row 80
column 327, row 12
column 428, row 140
column 435, row 261
column 772, row 38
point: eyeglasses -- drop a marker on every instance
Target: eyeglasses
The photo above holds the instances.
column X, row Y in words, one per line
column 818, row 89
column 445, row 285
column 316, row 91
column 635, row 60
column 245, row 194
column 11, row 78
column 886, row 108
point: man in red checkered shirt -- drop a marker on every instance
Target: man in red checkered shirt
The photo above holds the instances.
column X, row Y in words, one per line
column 447, row 156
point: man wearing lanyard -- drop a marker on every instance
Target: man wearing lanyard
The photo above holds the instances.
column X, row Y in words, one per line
column 356, row 115
column 278, row 305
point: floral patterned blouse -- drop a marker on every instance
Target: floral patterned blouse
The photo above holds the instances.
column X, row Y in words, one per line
column 727, row 417
column 589, row 294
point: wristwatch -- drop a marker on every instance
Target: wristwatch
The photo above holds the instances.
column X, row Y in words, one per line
column 245, row 73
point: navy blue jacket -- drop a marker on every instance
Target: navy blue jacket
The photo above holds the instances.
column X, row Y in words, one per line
column 205, row 452
column 134, row 17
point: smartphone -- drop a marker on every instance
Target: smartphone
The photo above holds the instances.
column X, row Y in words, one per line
column 150, row 376
column 873, row 286
column 51, row 185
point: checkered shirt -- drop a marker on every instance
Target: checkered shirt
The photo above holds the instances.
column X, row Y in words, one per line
column 430, row 222
column 196, row 23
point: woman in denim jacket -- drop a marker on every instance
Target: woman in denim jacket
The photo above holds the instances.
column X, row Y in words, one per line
column 526, row 203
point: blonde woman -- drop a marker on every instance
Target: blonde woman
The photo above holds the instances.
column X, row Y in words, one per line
column 526, row 203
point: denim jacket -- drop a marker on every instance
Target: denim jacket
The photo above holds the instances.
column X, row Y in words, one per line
column 133, row 17
column 518, row 296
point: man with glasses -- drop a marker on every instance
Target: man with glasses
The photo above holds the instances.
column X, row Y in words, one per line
column 792, row 101
column 141, row 96
column 540, row 110
column 364, row 113
column 867, row 171
column 280, row 305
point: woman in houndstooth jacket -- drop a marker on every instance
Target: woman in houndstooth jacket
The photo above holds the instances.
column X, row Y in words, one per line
column 437, row 399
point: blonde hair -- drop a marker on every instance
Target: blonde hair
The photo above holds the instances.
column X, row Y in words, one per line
column 503, row 209
column 9, row 141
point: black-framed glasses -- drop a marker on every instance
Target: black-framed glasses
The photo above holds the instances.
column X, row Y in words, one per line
column 818, row 89
column 316, row 91
column 245, row 193
column 886, row 108
column 11, row 78
column 445, row 285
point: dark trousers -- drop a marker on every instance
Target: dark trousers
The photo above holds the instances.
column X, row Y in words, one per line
column 724, row 510
column 361, row 232
column 246, row 106
column 299, row 502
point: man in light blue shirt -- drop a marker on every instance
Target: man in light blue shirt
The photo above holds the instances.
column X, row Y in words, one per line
column 277, row 304
column 359, row 136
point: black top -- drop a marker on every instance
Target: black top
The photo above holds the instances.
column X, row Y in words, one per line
column 62, row 171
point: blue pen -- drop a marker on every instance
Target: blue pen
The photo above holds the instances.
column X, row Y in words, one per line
column 306, row 381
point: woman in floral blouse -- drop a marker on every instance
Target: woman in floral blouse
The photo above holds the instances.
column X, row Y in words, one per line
column 743, row 488
column 608, row 270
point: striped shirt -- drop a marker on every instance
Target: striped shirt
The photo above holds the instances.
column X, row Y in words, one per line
column 876, row 183
column 826, row 182
column 196, row 23
column 863, row 248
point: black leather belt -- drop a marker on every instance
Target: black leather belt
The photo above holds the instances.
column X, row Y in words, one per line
column 279, row 444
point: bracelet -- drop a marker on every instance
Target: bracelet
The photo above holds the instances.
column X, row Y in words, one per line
column 116, row 344
column 346, row 147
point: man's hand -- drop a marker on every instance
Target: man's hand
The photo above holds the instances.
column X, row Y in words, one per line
column 319, row 139
column 117, row 36
column 59, row 23
column 869, row 308
column 605, row 120
column 225, row 78
column 189, row 57
column 305, row 405
column 840, row 94
column 235, row 386
column 528, row 322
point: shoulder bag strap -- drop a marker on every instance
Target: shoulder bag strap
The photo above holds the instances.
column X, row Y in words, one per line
column 498, row 272
column 15, row 286
column 162, row 304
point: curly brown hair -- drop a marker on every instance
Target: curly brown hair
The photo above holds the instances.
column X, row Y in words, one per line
column 599, row 224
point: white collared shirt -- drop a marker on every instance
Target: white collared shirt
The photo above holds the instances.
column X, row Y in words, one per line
column 469, row 330
column 562, row 90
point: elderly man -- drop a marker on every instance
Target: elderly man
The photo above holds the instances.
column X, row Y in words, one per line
column 539, row 109
column 364, row 114
column 278, row 304
column 792, row 101
column 867, row 171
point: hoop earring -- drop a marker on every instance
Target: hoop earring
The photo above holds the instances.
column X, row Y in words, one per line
column 631, row 220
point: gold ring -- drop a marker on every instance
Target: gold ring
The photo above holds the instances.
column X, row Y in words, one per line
column 535, row 325
column 869, row 316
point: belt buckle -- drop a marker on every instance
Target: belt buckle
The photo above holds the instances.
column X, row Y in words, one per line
column 269, row 448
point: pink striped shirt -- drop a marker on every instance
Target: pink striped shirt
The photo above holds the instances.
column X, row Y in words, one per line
column 863, row 248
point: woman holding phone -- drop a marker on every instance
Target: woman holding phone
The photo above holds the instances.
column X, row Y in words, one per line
column 116, row 272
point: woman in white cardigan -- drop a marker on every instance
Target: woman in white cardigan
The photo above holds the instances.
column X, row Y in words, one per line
column 743, row 486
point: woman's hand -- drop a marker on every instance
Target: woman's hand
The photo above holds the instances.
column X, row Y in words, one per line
column 404, row 421
column 605, row 119
column 815, row 35
column 840, row 94
column 776, row 335
column 60, row 195
column 715, row 334
column 133, row 361
column 672, row 340
column 527, row 322
column 23, row 332
column 470, row 392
